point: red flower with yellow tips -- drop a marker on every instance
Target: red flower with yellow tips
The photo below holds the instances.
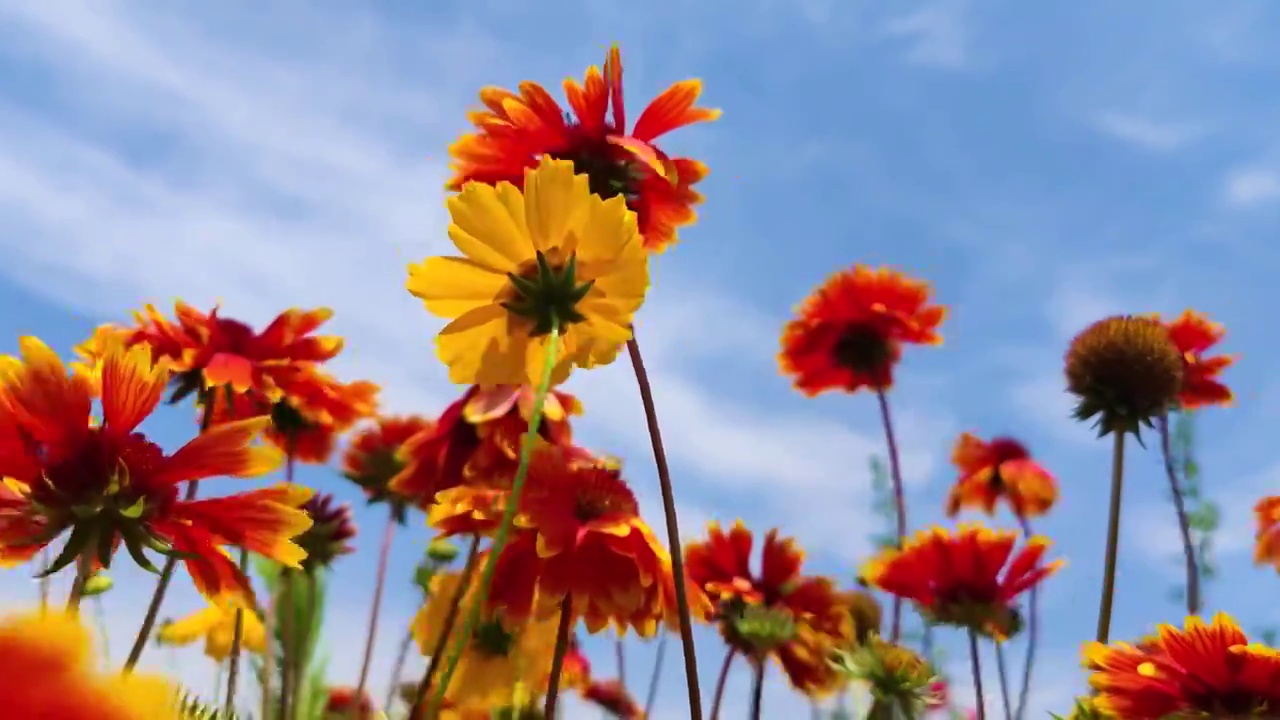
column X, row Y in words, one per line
column 776, row 612
column 1194, row 334
column 999, row 470
column 849, row 333
column 1197, row 671
column 1267, row 545
column 579, row 534
column 476, row 440
column 515, row 131
column 612, row 697
column 107, row 484
column 376, row 455
column 968, row 578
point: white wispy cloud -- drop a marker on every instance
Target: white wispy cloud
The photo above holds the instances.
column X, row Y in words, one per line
column 1251, row 186
column 1145, row 132
column 936, row 35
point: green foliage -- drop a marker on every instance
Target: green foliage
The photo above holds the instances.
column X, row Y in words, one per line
column 299, row 601
column 191, row 707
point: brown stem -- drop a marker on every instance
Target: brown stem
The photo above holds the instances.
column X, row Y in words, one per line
column 1184, row 522
column 652, row 696
column 980, row 703
column 446, row 629
column 1113, row 540
column 1033, row 623
column 1003, row 675
column 237, row 638
column 620, row 653
column 378, row 584
column 673, row 528
column 723, row 679
column 84, row 568
column 268, row 655
column 397, row 670
column 899, row 499
column 557, row 658
column 170, row 563
column 757, row 689
column 45, row 581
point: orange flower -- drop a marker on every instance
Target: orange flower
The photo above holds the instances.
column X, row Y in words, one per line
column 91, row 351
column 475, row 509
column 1194, row 334
column 515, row 131
column 579, row 534
column 575, row 672
column 1000, row 469
column 957, row 579
column 850, row 332
column 376, row 456
column 777, row 612
column 612, row 697
column 1200, row 671
column 1267, row 546
column 107, row 483
column 476, row 440
column 343, row 702
column 49, row 673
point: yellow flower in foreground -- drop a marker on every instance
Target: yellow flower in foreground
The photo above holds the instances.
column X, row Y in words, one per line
column 553, row 250
column 217, row 625
column 48, row 675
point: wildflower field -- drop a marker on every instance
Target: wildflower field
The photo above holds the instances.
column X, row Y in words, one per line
column 179, row 446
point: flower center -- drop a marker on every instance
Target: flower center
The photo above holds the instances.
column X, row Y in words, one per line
column 545, row 291
column 863, row 349
column 99, row 466
column 610, row 170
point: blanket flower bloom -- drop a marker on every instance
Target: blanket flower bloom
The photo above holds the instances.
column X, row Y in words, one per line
column 777, row 612
column 1267, row 543
column 579, row 534
column 109, row 485
column 1124, row 370
column 49, row 673
column 1200, row 670
column 849, row 333
column 516, row 131
column 476, row 440
column 1194, row 334
column 552, row 253
column 376, row 455
column 216, row 625
column 1001, row 469
column 967, row 578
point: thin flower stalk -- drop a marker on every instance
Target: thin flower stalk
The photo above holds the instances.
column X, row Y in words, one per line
column 620, row 654
column 379, row 585
column 1184, row 521
column 1002, row 673
column 1033, row 630
column 979, row 702
column 721, row 681
column 673, row 528
column 757, row 689
column 652, row 696
column 899, row 499
column 1113, row 539
column 563, row 631
column 451, row 618
column 237, row 639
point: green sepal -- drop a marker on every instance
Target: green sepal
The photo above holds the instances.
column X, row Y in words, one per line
column 82, row 534
column 106, row 547
column 134, row 511
column 134, row 540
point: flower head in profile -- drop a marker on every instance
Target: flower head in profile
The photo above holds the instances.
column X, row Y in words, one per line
column 377, row 455
column 1194, row 335
column 330, row 534
column 850, row 332
column 216, row 625
column 612, row 697
column 575, row 672
column 1001, row 469
column 50, row 673
column 344, row 703
column 579, row 535
column 775, row 611
column 515, row 131
column 900, row 681
column 107, row 485
column 502, row 654
column 1267, row 542
column 476, row 441
column 550, row 254
column 1199, row 670
column 1125, row 371
column 967, row 578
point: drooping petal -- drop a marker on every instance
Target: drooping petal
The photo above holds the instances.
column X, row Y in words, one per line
column 264, row 521
column 223, row 450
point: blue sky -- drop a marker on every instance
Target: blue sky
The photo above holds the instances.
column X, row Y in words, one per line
column 1044, row 164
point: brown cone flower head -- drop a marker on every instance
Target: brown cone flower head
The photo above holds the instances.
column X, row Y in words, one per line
column 1125, row 370
column 330, row 533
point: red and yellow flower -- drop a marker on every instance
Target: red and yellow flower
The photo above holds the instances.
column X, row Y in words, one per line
column 579, row 535
column 344, row 703
column 1194, row 334
column 1267, row 544
column 804, row 617
column 216, row 625
column 967, row 578
column 376, row 455
column 849, row 333
column 1197, row 671
column 108, row 484
column 49, row 673
column 515, row 131
column 612, row 697
column 1001, row 469
column 476, row 441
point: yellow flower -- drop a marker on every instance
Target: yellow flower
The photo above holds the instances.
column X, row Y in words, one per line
column 217, row 625
column 551, row 250
column 48, row 673
column 501, row 656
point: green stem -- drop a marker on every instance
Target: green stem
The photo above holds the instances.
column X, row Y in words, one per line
column 1113, row 540
column 757, row 688
column 504, row 530
column 1184, row 523
column 237, row 637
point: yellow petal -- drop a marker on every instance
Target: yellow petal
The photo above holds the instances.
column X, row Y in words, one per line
column 451, row 286
column 192, row 627
column 536, row 358
column 487, row 226
column 480, row 341
column 555, row 199
column 606, row 231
